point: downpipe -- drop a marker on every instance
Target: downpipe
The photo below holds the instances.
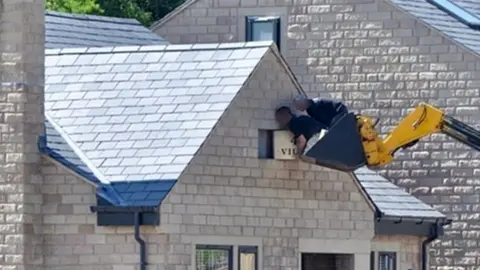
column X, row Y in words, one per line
column 141, row 242
column 434, row 234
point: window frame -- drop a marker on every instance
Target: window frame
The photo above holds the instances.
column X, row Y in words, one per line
column 382, row 254
column 247, row 250
column 372, row 260
column 216, row 247
column 266, row 147
column 457, row 12
column 275, row 20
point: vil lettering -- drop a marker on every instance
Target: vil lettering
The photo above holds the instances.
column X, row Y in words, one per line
column 289, row 151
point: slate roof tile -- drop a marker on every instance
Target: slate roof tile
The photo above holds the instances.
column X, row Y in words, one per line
column 146, row 125
column 445, row 23
column 143, row 193
column 64, row 30
column 391, row 200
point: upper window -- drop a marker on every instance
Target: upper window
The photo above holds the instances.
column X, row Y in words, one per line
column 263, row 28
column 458, row 13
column 213, row 257
column 265, row 144
column 387, row 261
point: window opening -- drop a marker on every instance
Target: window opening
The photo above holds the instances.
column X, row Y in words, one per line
column 247, row 258
column 265, row 144
column 372, row 260
column 263, row 28
column 387, row 261
column 208, row 257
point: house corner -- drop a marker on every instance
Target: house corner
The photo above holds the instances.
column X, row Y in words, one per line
column 22, row 75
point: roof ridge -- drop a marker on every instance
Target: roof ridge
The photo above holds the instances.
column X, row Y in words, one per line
column 76, row 150
column 161, row 48
column 91, row 17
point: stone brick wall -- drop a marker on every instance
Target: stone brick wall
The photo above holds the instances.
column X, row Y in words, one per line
column 21, row 122
column 381, row 62
column 228, row 191
column 73, row 241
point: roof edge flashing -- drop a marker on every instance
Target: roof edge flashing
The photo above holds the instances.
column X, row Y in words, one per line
column 94, row 18
column 58, row 159
column 172, row 14
column 158, row 48
column 77, row 150
column 378, row 214
column 454, row 10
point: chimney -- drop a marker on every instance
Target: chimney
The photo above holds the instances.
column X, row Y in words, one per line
column 22, row 46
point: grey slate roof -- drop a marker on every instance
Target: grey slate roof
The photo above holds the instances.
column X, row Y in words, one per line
column 391, row 200
column 141, row 113
column 73, row 30
column 445, row 23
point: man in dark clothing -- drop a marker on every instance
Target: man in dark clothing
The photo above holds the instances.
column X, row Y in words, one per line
column 325, row 111
column 305, row 129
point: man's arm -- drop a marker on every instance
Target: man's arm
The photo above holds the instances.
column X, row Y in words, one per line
column 300, row 143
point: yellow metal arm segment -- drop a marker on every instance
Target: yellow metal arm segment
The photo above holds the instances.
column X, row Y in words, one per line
column 422, row 121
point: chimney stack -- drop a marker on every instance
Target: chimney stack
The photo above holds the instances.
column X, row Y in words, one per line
column 22, row 49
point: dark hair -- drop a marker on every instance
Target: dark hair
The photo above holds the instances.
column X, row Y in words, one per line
column 283, row 109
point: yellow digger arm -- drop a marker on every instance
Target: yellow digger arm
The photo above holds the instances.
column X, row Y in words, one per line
column 353, row 141
column 421, row 122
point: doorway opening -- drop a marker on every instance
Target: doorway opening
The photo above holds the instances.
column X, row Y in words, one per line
column 327, row 261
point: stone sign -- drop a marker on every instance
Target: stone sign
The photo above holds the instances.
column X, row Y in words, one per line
column 283, row 147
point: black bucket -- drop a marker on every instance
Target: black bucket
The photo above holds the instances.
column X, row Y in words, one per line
column 341, row 147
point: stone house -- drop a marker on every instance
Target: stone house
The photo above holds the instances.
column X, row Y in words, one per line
column 151, row 156
column 382, row 57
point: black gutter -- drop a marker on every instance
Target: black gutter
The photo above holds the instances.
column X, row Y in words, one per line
column 122, row 209
column 137, row 211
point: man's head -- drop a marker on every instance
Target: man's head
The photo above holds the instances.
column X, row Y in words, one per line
column 300, row 102
column 283, row 115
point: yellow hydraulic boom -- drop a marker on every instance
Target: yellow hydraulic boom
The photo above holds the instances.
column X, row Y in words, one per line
column 354, row 142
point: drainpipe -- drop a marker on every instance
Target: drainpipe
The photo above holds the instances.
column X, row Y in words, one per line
column 435, row 231
column 136, row 211
column 141, row 242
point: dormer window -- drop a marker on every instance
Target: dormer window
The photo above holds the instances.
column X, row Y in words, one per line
column 263, row 28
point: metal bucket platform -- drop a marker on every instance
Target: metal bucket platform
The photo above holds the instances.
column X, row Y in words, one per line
column 340, row 148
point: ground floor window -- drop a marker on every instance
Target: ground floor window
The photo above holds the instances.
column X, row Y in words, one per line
column 247, row 258
column 219, row 257
column 209, row 257
column 387, row 261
